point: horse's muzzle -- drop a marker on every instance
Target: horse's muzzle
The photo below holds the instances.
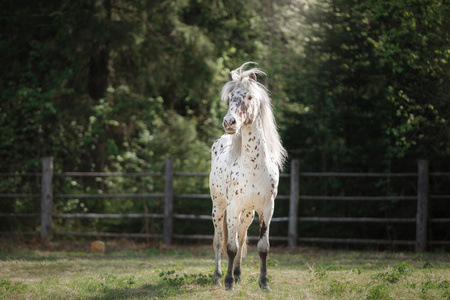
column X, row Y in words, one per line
column 229, row 124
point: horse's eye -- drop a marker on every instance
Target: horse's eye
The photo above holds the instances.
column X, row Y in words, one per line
column 250, row 97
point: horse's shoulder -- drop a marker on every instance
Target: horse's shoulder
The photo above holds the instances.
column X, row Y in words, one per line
column 221, row 146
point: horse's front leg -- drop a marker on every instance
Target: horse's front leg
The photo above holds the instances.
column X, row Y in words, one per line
column 263, row 247
column 232, row 247
column 219, row 241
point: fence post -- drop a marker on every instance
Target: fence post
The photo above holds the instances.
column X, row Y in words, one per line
column 46, row 198
column 168, row 203
column 293, row 204
column 422, row 205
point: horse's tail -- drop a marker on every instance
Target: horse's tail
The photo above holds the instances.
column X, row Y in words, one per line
column 225, row 234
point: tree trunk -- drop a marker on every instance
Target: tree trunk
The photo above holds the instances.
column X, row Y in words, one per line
column 98, row 64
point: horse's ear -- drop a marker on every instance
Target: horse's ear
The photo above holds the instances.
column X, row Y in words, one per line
column 230, row 76
column 253, row 76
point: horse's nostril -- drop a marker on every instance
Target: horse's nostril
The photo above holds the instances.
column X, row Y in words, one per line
column 233, row 122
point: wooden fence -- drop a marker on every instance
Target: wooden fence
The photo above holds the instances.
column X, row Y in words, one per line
column 422, row 219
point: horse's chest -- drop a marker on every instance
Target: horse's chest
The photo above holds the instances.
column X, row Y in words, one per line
column 249, row 183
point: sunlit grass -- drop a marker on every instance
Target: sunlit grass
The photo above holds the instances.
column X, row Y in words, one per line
column 186, row 273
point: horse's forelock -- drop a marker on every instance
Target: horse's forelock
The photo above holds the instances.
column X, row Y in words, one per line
column 247, row 79
column 240, row 74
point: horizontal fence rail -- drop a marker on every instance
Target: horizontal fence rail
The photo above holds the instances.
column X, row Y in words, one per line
column 421, row 220
column 358, row 198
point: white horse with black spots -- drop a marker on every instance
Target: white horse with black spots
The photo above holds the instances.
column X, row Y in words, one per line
column 245, row 167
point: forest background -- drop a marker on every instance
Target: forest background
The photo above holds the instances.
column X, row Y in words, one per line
column 118, row 86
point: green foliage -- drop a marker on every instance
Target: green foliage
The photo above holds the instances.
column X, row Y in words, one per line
column 427, row 265
column 337, row 287
column 378, row 292
column 394, row 276
column 119, row 86
column 404, row 268
column 362, row 86
column 8, row 286
column 321, row 270
column 410, row 42
column 360, row 70
column 175, row 280
column 112, row 86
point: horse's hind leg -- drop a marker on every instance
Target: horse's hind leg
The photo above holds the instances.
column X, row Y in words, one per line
column 246, row 220
column 263, row 247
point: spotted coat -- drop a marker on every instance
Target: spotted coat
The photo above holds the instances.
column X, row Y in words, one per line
column 244, row 179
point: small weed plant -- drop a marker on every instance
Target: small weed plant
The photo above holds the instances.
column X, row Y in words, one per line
column 177, row 280
column 398, row 272
column 12, row 287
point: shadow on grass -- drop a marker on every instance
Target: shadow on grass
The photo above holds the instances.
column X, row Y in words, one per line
column 160, row 290
column 169, row 284
column 38, row 255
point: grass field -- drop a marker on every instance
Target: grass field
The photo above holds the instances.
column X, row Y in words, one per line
column 132, row 271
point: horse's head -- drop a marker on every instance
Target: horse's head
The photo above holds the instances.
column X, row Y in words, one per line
column 249, row 102
column 243, row 95
column 242, row 109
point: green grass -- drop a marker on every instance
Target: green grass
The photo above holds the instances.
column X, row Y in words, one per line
column 186, row 273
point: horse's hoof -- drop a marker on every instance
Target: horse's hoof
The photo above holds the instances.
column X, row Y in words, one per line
column 229, row 283
column 265, row 288
column 237, row 279
column 229, row 286
column 264, row 284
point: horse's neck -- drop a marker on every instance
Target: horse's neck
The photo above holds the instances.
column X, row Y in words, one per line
column 253, row 147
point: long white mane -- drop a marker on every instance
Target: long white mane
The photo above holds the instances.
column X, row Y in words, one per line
column 247, row 80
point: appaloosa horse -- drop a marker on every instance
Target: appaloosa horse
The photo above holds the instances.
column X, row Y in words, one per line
column 244, row 176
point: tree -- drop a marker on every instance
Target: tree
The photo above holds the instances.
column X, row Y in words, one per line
column 411, row 42
column 114, row 85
